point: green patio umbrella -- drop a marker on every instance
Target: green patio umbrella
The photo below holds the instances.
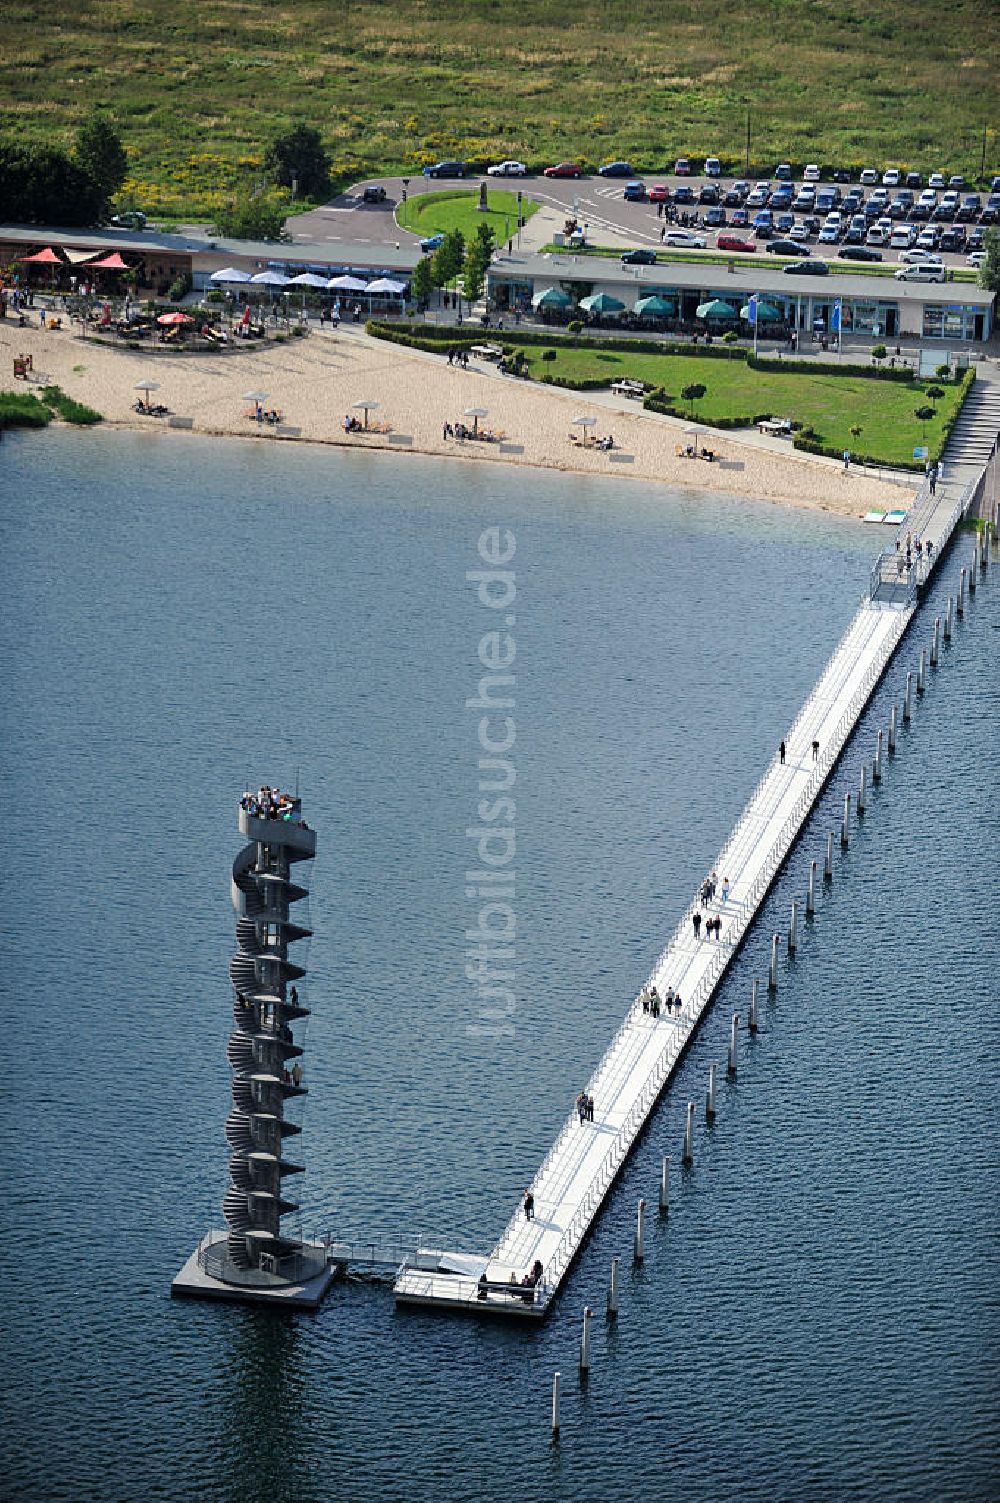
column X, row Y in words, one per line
column 715, row 309
column 767, row 312
column 654, row 307
column 602, row 302
column 552, row 297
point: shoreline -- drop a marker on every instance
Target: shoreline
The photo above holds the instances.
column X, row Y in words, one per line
column 315, row 381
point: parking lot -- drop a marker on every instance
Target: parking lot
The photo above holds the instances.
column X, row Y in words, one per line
column 793, row 211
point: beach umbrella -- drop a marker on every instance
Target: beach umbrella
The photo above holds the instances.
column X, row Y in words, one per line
column 230, row 274
column 475, row 413
column 175, row 319
column 255, row 396
column 366, row 405
column 46, row 257
column 585, row 423
column 269, row 279
column 767, row 312
column 552, row 297
column 346, row 284
column 386, row 284
column 715, row 309
column 307, row 279
column 602, row 302
column 655, row 307
column 146, row 387
column 113, row 262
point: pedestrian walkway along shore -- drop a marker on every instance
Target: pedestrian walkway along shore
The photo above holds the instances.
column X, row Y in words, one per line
column 577, row 1172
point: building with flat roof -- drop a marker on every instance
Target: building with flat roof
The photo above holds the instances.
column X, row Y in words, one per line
column 874, row 307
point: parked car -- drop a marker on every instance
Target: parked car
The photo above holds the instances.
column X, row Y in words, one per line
column 758, row 196
column 564, row 169
column 902, row 237
column 975, row 241
column 811, row 173
column 684, row 194
column 922, row 271
column 936, row 180
column 713, row 167
column 975, row 258
column 682, row 167
column 734, row 243
column 786, row 248
column 953, row 238
column 132, row 219
column 806, row 268
column 641, row 257
column 891, row 177
column 798, row 234
column 783, row 223
column 914, row 180
column 708, row 193
column 373, row 194
column 634, row 192
column 783, row 172
column 969, row 208
column 782, row 197
column 869, row 177
column 956, row 180
column 927, row 239
column 742, row 187
column 841, row 174
column 876, row 235
column 917, row 256
column 431, row 242
column 615, row 169
column 685, row 239
column 829, row 234
column 507, row 169
column 659, row 193
column 740, row 217
column 715, row 216
column 858, row 253
column 804, row 199
column 445, row 169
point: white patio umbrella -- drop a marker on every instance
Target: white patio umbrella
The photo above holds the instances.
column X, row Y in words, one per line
column 386, row 284
column 269, row 279
column 255, row 396
column 366, row 405
column 346, row 284
column 147, row 386
column 231, row 274
column 585, row 423
column 307, row 279
column 475, row 413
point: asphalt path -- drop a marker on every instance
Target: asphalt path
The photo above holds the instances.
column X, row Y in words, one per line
column 596, row 202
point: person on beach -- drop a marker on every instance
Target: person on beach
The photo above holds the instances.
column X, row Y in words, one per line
column 529, row 1206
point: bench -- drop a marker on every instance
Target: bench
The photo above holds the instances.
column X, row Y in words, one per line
column 486, row 351
column 628, row 388
column 777, row 427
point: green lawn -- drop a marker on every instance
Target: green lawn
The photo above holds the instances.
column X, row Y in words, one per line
column 458, row 209
column 831, row 405
column 199, row 89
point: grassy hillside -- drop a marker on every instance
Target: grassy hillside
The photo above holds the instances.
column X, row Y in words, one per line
column 198, row 88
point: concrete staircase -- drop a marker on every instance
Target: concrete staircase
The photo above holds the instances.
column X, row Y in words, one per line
column 971, row 441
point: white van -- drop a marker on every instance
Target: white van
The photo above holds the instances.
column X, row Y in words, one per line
column 922, row 271
column 902, row 237
column 811, row 173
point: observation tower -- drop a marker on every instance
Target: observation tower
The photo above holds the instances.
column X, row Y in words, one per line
column 261, row 1257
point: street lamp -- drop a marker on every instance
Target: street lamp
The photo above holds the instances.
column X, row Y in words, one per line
column 406, row 183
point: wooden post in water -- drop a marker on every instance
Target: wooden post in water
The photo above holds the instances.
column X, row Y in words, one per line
column 948, row 617
column 960, row 604
column 920, row 670
column 772, row 974
column 752, row 1016
column 828, row 860
column 907, row 698
column 613, row 1291
column 811, row 892
column 974, row 569
column 639, row 1249
column 877, row 769
column 935, row 641
column 688, row 1155
column 892, row 729
column 793, row 929
column 734, row 1029
column 665, row 1186
column 845, row 824
column 585, row 1342
column 861, row 790
column 556, row 1381
column 710, row 1095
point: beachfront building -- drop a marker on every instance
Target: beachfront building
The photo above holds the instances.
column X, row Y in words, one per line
column 866, row 306
column 259, row 1257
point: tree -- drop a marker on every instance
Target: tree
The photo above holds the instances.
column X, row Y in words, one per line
column 989, row 272
column 44, row 185
column 879, row 352
column 923, row 416
column 101, row 155
column 692, row 394
column 422, row 280
column 934, row 394
column 448, row 258
column 855, row 431
column 300, row 162
column 253, row 216
column 477, row 260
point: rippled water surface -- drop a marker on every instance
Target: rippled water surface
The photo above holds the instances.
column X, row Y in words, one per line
column 818, row 1316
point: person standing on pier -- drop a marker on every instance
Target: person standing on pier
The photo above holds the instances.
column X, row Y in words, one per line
column 815, row 751
column 781, row 753
column 529, row 1206
column 590, row 1108
column 696, row 924
column 725, row 890
column 581, row 1107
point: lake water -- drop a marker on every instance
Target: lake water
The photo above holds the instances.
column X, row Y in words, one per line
column 818, row 1317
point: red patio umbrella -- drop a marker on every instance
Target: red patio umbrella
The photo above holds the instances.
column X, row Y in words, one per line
column 113, row 262
column 46, row 257
column 175, row 318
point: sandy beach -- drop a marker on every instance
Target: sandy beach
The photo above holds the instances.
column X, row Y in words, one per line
column 315, row 381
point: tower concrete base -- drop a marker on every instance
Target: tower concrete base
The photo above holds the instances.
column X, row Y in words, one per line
column 193, row 1282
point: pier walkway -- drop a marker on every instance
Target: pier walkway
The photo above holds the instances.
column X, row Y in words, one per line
column 582, row 1163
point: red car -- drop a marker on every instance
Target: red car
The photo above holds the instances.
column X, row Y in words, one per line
column 658, row 194
column 564, row 169
column 734, row 242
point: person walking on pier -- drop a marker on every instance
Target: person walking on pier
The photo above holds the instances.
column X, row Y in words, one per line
column 781, row 753
column 581, row 1107
column 590, row 1108
column 725, row 891
column 696, row 924
column 529, row 1206
column 815, row 751
column 644, row 998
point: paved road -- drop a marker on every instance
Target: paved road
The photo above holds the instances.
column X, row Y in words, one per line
column 597, row 203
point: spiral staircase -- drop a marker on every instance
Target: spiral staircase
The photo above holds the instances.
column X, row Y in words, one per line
column 261, row 1049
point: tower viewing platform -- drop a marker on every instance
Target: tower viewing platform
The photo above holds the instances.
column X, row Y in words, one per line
column 258, row 1258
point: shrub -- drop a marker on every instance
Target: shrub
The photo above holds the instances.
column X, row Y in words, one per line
column 574, row 326
column 215, row 295
column 69, row 410
column 547, row 354
column 22, row 410
column 179, row 288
